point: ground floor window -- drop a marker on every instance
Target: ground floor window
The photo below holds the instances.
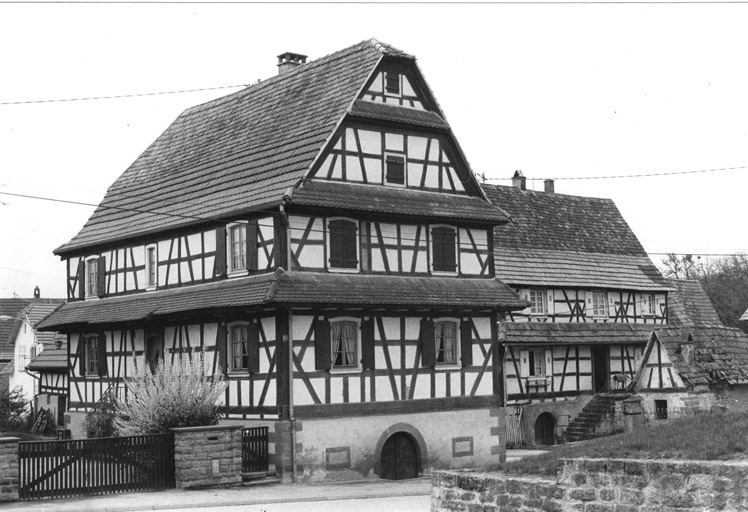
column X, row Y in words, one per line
column 344, row 342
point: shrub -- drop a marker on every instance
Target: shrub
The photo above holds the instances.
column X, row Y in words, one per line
column 100, row 421
column 176, row 394
column 14, row 411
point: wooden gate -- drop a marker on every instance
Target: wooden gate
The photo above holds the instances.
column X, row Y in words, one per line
column 56, row 469
column 254, row 449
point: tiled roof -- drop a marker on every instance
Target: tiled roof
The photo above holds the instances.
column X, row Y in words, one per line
column 563, row 240
column 289, row 288
column 8, row 328
column 384, row 112
column 718, row 353
column 20, row 310
column 539, row 333
column 235, row 154
column 50, row 359
column 689, row 304
column 397, row 201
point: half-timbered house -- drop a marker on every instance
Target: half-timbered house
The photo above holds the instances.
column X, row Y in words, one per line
column 594, row 296
column 321, row 239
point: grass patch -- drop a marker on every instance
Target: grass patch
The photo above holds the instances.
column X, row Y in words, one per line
column 703, row 437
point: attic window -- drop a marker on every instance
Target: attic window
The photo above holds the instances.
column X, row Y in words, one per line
column 395, row 169
column 392, row 84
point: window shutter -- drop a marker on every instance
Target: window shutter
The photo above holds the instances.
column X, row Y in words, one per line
column 102, row 355
column 443, row 248
column 322, row 356
column 252, row 245
column 367, row 344
column 221, row 348
column 81, row 279
column 101, row 276
column 219, row 268
column 428, row 343
column 81, row 355
column 395, row 169
column 343, row 245
column 466, row 342
column 253, row 348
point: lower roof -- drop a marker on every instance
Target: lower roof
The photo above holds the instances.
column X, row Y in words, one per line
column 590, row 333
column 51, row 359
column 289, row 289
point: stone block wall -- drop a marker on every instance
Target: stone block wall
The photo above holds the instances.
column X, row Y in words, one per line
column 600, row 485
column 9, row 468
column 208, row 456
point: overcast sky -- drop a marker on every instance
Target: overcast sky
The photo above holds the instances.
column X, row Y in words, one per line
column 557, row 91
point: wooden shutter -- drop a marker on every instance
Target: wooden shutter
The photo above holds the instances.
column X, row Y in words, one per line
column 343, row 246
column 466, row 342
column 253, row 348
column 221, row 348
column 252, row 245
column 367, row 344
column 219, row 268
column 81, row 350
column 81, row 279
column 322, row 356
column 101, row 276
column 443, row 249
column 103, row 367
column 428, row 343
column 395, row 169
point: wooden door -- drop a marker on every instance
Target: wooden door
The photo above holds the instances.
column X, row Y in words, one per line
column 600, row 368
column 399, row 458
column 545, row 429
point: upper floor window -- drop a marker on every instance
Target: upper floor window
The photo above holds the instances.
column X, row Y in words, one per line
column 443, row 249
column 599, row 304
column 648, row 304
column 151, row 266
column 92, row 277
column 392, row 84
column 536, row 364
column 394, row 169
column 239, row 341
column 237, row 247
column 343, row 244
column 446, row 342
column 92, row 355
column 537, row 302
column 344, row 344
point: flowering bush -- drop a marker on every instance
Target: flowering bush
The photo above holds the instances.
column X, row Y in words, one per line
column 176, row 394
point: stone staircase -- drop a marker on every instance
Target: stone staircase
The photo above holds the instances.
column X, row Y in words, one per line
column 594, row 413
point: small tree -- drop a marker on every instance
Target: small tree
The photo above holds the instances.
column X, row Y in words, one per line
column 14, row 411
column 176, row 394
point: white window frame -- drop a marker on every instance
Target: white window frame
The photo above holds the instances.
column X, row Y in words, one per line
column 405, row 168
column 230, row 230
column 231, row 345
column 531, row 368
column 399, row 93
column 534, row 310
column 151, row 268
column 456, row 323
column 328, row 247
column 92, row 340
column 457, row 251
column 357, row 357
column 597, row 310
column 92, row 284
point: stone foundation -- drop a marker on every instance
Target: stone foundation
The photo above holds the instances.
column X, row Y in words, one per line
column 9, row 468
column 207, row 456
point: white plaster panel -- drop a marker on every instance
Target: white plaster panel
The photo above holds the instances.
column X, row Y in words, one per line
column 415, row 172
column 350, row 141
column 301, row 394
column 455, row 178
column 186, row 275
column 129, row 278
column 394, row 142
column 377, row 262
column 353, row 171
column 407, row 87
column 422, row 387
column 209, row 267
column 376, row 85
column 371, row 142
column 373, row 170
column 417, row 147
column 434, row 150
column 432, row 176
column 336, row 391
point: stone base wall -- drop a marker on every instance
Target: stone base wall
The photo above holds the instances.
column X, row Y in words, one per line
column 9, row 468
column 208, row 456
column 600, row 485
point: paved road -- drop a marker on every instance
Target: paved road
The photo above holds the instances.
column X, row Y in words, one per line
column 391, row 504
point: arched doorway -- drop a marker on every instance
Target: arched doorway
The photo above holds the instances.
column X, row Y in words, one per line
column 400, row 458
column 545, row 429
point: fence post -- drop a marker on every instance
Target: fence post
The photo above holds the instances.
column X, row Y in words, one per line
column 633, row 416
column 9, row 468
column 207, row 456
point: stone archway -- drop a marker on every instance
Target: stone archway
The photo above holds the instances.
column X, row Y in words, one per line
column 400, row 453
column 545, row 429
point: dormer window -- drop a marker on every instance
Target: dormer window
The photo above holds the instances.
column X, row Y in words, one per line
column 392, row 84
column 394, row 169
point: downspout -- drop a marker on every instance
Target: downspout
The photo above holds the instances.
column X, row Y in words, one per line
column 289, row 338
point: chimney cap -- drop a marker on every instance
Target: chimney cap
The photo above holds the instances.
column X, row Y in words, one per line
column 296, row 58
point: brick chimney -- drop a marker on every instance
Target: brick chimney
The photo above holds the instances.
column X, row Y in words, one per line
column 289, row 61
column 519, row 180
column 549, row 186
column 37, row 292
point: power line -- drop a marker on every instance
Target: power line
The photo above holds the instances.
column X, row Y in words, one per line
column 137, row 95
column 643, row 175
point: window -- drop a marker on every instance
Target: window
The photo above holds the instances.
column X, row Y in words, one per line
column 92, row 355
column 343, row 244
column 394, row 169
column 22, row 358
column 444, row 249
column 238, row 339
column 446, row 342
column 599, row 304
column 392, row 83
column 536, row 364
column 151, row 267
column 92, row 277
column 237, row 247
column 344, row 344
column 648, row 308
column 660, row 409
column 537, row 302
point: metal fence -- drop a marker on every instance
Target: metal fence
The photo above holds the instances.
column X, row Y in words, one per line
column 254, row 449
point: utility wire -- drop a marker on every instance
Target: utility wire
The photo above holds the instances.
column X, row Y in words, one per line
column 643, row 175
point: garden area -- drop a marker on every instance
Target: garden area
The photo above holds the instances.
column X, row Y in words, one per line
column 18, row 419
column 703, row 437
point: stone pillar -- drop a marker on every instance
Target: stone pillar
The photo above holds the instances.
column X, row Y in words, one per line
column 9, row 469
column 283, row 451
column 207, row 456
column 633, row 413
